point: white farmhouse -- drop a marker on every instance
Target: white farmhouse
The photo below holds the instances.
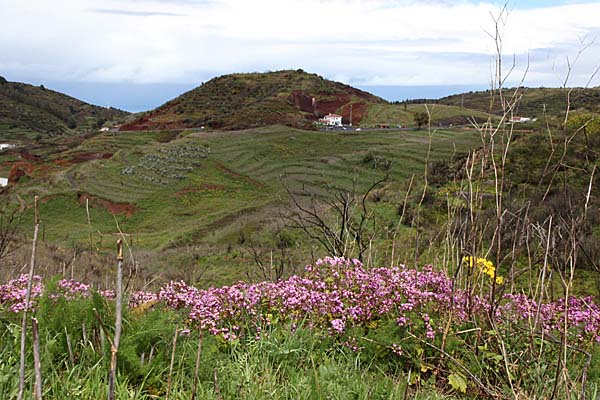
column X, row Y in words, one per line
column 332, row 120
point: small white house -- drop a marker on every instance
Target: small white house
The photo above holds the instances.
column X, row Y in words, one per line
column 3, row 182
column 520, row 119
column 332, row 120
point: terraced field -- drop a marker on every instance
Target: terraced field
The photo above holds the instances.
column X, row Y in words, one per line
column 209, row 186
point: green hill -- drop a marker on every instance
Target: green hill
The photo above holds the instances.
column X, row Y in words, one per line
column 534, row 101
column 28, row 111
column 241, row 101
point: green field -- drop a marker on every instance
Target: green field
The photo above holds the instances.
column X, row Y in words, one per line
column 205, row 186
column 440, row 114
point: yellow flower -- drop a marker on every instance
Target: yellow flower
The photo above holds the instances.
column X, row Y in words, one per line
column 484, row 266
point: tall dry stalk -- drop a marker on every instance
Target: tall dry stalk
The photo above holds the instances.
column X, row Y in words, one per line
column 197, row 366
column 37, row 364
column 496, row 224
column 118, row 322
column 173, row 349
column 28, row 299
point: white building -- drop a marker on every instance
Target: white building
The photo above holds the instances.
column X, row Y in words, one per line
column 332, row 120
column 3, row 182
column 6, row 146
column 520, row 119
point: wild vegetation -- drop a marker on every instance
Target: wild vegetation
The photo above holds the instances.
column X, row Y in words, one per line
column 34, row 112
column 401, row 331
column 462, row 329
column 533, row 102
column 440, row 263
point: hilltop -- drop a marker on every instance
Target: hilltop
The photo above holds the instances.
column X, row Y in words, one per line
column 534, row 101
column 28, row 111
column 241, row 101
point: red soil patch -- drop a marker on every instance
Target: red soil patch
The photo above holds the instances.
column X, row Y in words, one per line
column 83, row 157
column 359, row 111
column 339, row 104
column 112, row 207
column 20, row 169
column 145, row 123
column 63, row 162
column 26, row 155
column 323, row 107
column 303, row 101
column 203, row 187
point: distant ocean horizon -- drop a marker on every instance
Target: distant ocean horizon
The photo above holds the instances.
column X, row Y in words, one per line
column 134, row 97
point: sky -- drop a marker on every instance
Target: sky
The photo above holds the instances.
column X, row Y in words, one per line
column 137, row 54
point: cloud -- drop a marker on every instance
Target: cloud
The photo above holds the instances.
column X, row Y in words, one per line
column 379, row 42
column 134, row 13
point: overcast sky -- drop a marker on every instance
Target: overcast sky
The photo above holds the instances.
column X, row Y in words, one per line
column 181, row 43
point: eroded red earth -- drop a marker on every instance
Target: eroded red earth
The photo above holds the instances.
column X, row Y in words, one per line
column 112, row 207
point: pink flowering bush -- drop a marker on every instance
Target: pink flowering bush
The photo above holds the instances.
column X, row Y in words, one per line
column 336, row 293
column 582, row 315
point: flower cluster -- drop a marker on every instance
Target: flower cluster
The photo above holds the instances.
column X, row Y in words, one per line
column 71, row 289
column 486, row 267
column 13, row 294
column 333, row 294
column 582, row 315
column 141, row 297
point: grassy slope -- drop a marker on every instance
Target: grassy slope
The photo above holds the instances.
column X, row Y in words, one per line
column 397, row 114
column 237, row 183
column 28, row 112
column 533, row 102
